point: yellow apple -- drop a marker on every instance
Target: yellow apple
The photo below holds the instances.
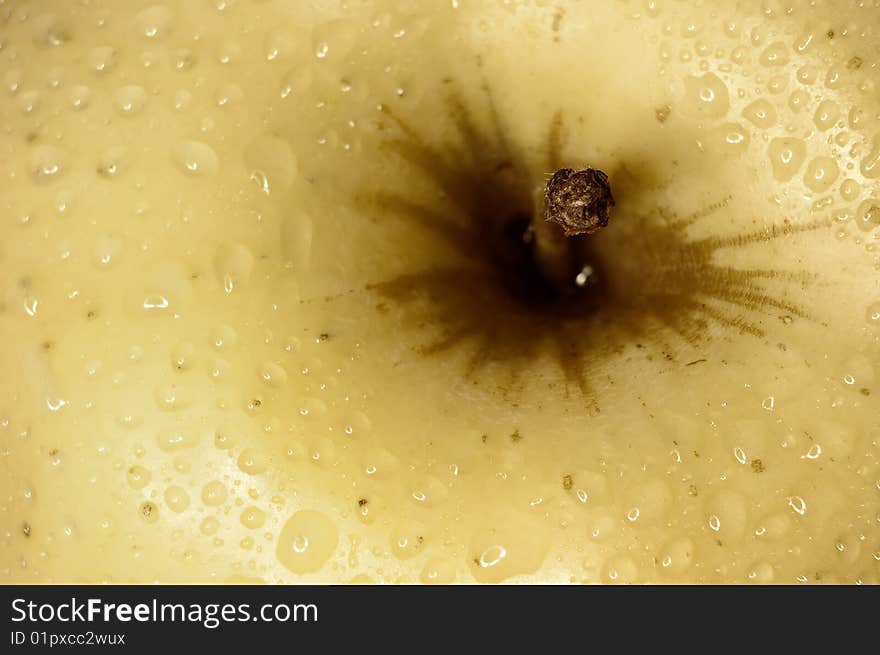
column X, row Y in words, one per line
column 272, row 307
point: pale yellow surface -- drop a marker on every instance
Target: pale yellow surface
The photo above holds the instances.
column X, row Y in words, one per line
column 227, row 353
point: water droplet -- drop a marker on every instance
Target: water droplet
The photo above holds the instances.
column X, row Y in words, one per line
column 138, row 477
column 868, row 215
column 195, row 158
column 102, row 59
column 761, row 113
column 821, row 173
column 214, row 493
column 129, row 100
column 786, row 155
column 827, row 114
column 154, row 22
column 707, row 95
column 776, row 54
column 307, row 540
column 797, row 504
column 253, row 518
column 233, row 265
column 176, row 498
column 47, row 163
column 272, row 163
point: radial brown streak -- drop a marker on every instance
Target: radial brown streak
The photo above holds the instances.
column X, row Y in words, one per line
column 676, row 293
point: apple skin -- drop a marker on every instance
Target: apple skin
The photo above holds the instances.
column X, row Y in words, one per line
column 230, row 355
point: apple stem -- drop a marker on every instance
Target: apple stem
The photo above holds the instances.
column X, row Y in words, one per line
column 571, row 204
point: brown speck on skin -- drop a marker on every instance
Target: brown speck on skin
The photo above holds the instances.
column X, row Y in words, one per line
column 692, row 491
column 757, row 466
column 323, row 336
column 47, row 345
column 567, row 482
column 26, row 529
column 830, row 34
column 257, row 402
column 516, row 437
column 484, row 438
column 662, row 113
column 362, row 502
column 865, row 392
column 90, row 315
column 855, row 63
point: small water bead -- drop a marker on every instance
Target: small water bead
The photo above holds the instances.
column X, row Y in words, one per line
column 739, row 55
column 272, row 162
column 786, row 155
column 849, row 189
column 29, row 101
column 102, row 59
column 827, row 114
column 798, row 100
column 129, row 100
column 214, row 493
column 177, row 498
column 761, row 113
column 821, row 173
column 106, row 251
column 273, row 374
column 47, row 163
column 797, row 504
column 154, row 22
column 834, row 77
column 173, row 397
column 233, row 265
column 224, row 337
column 138, row 477
column 334, row 39
column 223, row 439
column 870, row 164
column 307, row 540
column 195, row 159
column 761, row 572
column 807, row 74
column 855, row 116
column 677, row 556
column 734, row 136
column 80, row 96
column 112, row 161
column 707, row 95
column 252, row 462
column 183, row 356
column 296, row 81
column 777, row 84
column 872, row 315
column 776, row 54
column 620, row 569
column 867, row 215
column 51, row 30
column 209, row 526
column 438, row 570
column 177, row 438
column 253, row 518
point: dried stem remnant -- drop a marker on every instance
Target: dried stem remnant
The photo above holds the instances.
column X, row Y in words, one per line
column 578, row 201
column 573, row 203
